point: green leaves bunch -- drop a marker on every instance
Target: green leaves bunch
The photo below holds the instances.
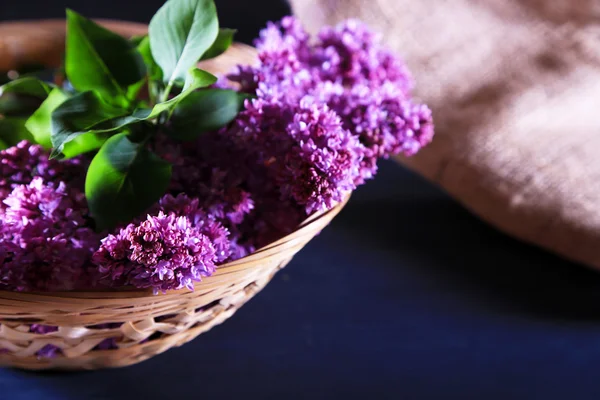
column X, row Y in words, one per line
column 120, row 94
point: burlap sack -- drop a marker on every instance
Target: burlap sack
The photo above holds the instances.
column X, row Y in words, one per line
column 515, row 90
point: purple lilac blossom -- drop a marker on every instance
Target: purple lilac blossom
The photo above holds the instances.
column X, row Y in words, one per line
column 208, row 224
column 21, row 163
column 49, row 350
column 163, row 252
column 274, row 219
column 349, row 71
column 42, row 329
column 311, row 157
column 198, row 175
column 271, row 217
column 323, row 113
column 384, row 121
column 349, row 53
column 45, row 241
column 227, row 181
column 108, row 343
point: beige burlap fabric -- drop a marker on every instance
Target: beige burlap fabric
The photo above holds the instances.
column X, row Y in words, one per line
column 515, row 90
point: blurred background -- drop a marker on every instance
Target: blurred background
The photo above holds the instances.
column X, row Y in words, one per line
column 405, row 296
column 246, row 16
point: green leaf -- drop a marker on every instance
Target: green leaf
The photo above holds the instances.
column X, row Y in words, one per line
column 78, row 115
column 27, row 86
column 3, row 145
column 86, row 116
column 204, row 111
column 12, row 104
column 123, row 180
column 180, row 33
column 12, row 131
column 39, row 126
column 154, row 71
column 40, row 121
column 221, row 44
column 137, row 39
column 23, row 96
column 84, row 143
column 197, row 78
column 101, row 60
column 134, row 90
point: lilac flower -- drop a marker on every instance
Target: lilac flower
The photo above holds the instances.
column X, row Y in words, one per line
column 284, row 55
column 196, row 173
column 214, row 170
column 42, row 329
column 350, row 54
column 246, row 76
column 208, row 224
column 107, row 344
column 11, row 269
column 40, row 207
column 346, row 69
column 46, row 243
column 181, row 205
column 287, row 34
column 49, row 350
column 310, row 155
column 240, row 250
column 20, row 163
column 384, row 120
column 163, row 252
column 274, row 218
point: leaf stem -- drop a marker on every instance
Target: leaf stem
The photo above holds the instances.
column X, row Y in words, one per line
column 165, row 94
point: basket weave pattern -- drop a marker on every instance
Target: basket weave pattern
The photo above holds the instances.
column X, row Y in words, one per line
column 147, row 324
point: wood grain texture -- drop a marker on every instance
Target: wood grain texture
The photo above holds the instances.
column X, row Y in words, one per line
column 514, row 87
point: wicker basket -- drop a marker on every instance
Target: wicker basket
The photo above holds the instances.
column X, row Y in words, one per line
column 149, row 324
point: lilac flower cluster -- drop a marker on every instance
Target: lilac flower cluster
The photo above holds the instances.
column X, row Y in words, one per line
column 171, row 250
column 326, row 112
column 350, row 54
column 308, row 153
column 45, row 240
column 21, row 163
column 199, row 172
column 212, row 172
column 321, row 115
column 384, row 120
